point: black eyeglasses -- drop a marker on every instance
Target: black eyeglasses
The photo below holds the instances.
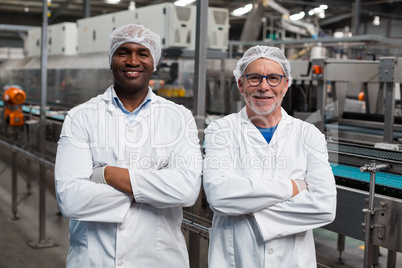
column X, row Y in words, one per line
column 272, row 79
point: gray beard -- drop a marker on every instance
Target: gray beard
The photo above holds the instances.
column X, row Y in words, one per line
column 268, row 111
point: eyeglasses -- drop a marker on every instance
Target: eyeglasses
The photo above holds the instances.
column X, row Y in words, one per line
column 272, row 79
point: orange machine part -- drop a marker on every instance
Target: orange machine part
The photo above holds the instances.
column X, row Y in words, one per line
column 14, row 118
column 317, row 69
column 13, row 99
column 14, row 96
column 361, row 96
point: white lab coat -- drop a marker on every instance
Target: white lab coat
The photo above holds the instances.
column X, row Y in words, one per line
column 256, row 223
column 161, row 150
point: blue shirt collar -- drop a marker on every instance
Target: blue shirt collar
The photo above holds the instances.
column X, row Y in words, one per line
column 119, row 104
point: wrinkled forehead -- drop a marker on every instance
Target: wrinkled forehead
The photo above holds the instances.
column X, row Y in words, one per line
column 264, row 66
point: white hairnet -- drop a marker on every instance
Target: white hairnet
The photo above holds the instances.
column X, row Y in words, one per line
column 135, row 33
column 266, row 52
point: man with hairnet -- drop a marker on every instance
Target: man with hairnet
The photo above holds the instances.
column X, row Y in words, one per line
column 127, row 162
column 266, row 174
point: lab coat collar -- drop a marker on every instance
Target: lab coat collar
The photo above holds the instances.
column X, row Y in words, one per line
column 252, row 131
column 112, row 108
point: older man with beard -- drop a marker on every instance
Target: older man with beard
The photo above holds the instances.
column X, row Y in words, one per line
column 266, row 174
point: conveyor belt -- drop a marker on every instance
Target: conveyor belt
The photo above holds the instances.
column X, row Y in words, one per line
column 357, row 129
column 364, row 151
column 49, row 114
column 382, row 178
column 36, row 111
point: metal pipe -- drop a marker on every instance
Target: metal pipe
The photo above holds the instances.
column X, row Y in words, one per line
column 87, row 9
column 368, row 235
column 356, row 17
column 321, row 92
column 376, row 253
column 29, row 177
column 324, row 40
column 200, row 71
column 252, row 26
column 222, row 85
column 389, row 112
column 43, row 242
column 335, row 19
column 341, row 247
column 42, row 135
column 200, row 75
column 26, row 154
column 391, row 259
column 15, row 28
column 366, row 97
column 369, row 214
column 14, row 186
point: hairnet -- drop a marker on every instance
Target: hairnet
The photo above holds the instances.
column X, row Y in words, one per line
column 135, row 33
column 266, row 52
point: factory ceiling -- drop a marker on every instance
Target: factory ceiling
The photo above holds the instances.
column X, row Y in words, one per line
column 339, row 14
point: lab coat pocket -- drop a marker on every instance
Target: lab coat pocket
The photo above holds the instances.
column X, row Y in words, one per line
column 221, row 248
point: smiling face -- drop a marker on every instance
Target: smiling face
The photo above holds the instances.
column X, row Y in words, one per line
column 263, row 100
column 132, row 67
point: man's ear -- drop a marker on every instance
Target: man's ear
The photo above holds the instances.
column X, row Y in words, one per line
column 285, row 89
column 240, row 86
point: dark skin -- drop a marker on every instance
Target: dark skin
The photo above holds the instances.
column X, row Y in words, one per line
column 132, row 66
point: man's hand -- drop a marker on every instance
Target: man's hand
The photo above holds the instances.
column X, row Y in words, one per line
column 116, row 177
column 98, row 175
column 301, row 185
column 298, row 186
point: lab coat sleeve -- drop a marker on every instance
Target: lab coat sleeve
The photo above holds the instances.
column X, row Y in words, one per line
column 178, row 183
column 309, row 209
column 229, row 192
column 78, row 197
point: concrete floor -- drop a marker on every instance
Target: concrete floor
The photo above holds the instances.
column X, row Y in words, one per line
column 15, row 251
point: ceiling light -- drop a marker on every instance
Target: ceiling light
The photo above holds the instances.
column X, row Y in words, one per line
column 183, row 3
column 112, row 1
column 297, row 16
column 242, row 10
column 319, row 11
column 131, row 6
column 376, row 20
column 321, row 15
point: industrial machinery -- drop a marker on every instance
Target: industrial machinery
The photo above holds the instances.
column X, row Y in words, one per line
column 324, row 92
column 175, row 25
column 369, row 206
column 13, row 98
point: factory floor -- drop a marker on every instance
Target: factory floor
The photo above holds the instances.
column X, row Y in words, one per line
column 15, row 252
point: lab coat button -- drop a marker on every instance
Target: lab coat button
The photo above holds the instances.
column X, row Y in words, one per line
column 120, row 263
column 121, row 228
column 270, row 251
